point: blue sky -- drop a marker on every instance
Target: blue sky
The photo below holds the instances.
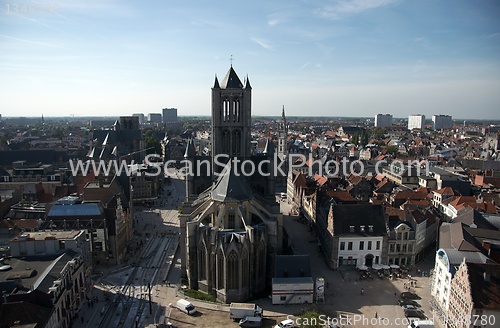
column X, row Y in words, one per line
column 316, row 57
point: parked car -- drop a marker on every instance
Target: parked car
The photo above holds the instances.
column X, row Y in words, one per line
column 409, row 307
column 415, row 314
column 288, row 323
column 410, row 296
column 408, row 302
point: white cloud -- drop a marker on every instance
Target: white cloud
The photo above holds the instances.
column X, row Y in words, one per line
column 343, row 8
column 264, row 43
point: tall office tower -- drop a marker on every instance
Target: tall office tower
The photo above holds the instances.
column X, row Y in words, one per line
column 440, row 122
column 416, row 121
column 169, row 115
column 382, row 120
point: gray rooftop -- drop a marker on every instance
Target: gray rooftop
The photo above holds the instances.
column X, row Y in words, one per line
column 231, row 187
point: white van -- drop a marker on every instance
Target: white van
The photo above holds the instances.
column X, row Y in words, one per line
column 418, row 323
column 186, row 307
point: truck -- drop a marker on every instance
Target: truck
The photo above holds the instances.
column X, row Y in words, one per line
column 185, row 306
column 239, row 311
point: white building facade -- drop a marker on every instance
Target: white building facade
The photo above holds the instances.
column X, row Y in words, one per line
column 359, row 251
column 416, row 121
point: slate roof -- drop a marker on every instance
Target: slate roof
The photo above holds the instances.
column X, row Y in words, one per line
column 455, row 257
column 347, row 215
column 24, row 314
column 485, row 294
column 44, row 156
column 231, row 81
column 231, row 187
column 292, row 266
column 451, row 236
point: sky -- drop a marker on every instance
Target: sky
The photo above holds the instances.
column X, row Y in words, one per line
column 315, row 57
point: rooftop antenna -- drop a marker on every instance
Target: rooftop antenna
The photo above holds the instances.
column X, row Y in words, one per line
column 231, row 59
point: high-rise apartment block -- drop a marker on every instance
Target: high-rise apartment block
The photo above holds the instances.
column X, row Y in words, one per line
column 416, row 121
column 169, row 115
column 154, row 118
column 440, row 122
column 382, row 120
column 141, row 118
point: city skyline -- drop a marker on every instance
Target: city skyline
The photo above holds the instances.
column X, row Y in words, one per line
column 324, row 58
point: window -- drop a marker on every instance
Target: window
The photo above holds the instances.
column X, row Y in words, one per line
column 369, row 245
column 361, row 245
column 378, row 245
column 391, row 248
column 376, row 259
column 398, row 248
column 407, row 234
column 351, row 228
column 202, row 253
column 231, row 221
column 341, row 259
column 370, row 228
column 349, row 246
column 233, row 274
column 282, row 298
column 342, row 245
column 403, row 248
column 410, row 248
column 362, row 228
column 400, row 236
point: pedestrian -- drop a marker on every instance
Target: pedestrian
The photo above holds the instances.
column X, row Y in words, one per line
column 376, row 315
column 362, row 291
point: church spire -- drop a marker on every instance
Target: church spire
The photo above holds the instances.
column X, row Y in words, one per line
column 247, row 83
column 216, row 83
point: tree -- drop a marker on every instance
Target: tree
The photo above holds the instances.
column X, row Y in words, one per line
column 392, row 149
column 152, row 145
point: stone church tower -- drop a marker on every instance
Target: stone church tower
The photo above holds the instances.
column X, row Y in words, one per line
column 232, row 231
column 231, row 118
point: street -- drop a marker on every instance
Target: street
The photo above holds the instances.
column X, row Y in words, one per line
column 123, row 296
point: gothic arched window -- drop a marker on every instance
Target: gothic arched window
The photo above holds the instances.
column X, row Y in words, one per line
column 236, row 142
column 231, row 224
column 233, row 270
column 226, row 142
column 202, row 260
column 244, row 268
column 261, row 260
column 220, row 270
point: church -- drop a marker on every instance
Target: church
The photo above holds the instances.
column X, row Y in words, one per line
column 231, row 226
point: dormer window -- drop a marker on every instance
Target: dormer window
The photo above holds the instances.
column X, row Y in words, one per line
column 351, row 228
column 362, row 228
column 370, row 228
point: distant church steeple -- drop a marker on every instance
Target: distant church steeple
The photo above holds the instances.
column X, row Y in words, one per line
column 282, row 136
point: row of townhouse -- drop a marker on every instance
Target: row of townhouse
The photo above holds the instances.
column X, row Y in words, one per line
column 465, row 281
column 451, row 204
column 356, row 233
